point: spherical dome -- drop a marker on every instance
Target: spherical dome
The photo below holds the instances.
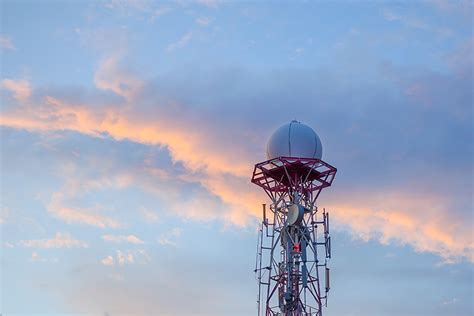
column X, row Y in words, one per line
column 294, row 140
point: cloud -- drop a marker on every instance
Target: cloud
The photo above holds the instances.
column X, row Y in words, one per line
column 116, row 277
column 60, row 240
column 132, row 239
column 66, row 205
column 423, row 221
column 4, row 214
column 36, row 257
column 21, row 89
column 172, row 268
column 112, row 76
column 149, row 216
column 140, row 8
column 108, row 261
column 183, row 41
column 209, row 3
column 203, row 21
column 170, row 237
column 127, row 257
column 416, row 23
column 461, row 60
column 213, row 147
column 124, row 5
column 451, row 301
column 124, row 258
column 7, row 244
column 160, row 12
column 88, row 216
column 461, row 8
column 119, row 123
column 6, row 42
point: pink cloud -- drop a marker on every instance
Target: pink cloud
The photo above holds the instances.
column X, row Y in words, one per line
column 60, row 240
column 6, row 42
column 21, row 89
column 132, row 239
column 127, row 257
column 112, row 76
column 108, row 261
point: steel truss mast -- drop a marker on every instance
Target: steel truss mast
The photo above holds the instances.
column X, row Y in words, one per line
column 294, row 245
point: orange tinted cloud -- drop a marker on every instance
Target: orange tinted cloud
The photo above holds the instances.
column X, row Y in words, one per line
column 110, row 76
column 223, row 167
column 196, row 149
column 88, row 216
column 21, row 89
column 422, row 221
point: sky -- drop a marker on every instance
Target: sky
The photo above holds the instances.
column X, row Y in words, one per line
column 130, row 128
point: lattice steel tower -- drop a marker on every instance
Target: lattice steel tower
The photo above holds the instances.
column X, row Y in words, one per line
column 294, row 245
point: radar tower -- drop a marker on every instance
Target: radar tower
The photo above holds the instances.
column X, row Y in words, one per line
column 294, row 245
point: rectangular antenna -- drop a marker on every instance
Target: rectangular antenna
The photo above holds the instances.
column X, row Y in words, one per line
column 327, row 221
column 264, row 206
column 327, row 280
column 328, row 247
column 304, row 275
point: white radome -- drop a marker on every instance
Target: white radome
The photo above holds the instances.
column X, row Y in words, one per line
column 294, row 140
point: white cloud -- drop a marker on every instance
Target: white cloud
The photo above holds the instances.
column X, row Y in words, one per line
column 124, row 257
column 183, row 41
column 7, row 244
column 127, row 257
column 59, row 241
column 203, row 21
column 6, row 42
column 126, row 5
column 170, row 237
column 108, row 261
column 5, row 214
column 132, row 239
column 116, row 277
column 452, row 301
column 149, row 216
column 139, row 8
column 415, row 23
column 142, row 256
column 160, row 12
column 208, row 3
